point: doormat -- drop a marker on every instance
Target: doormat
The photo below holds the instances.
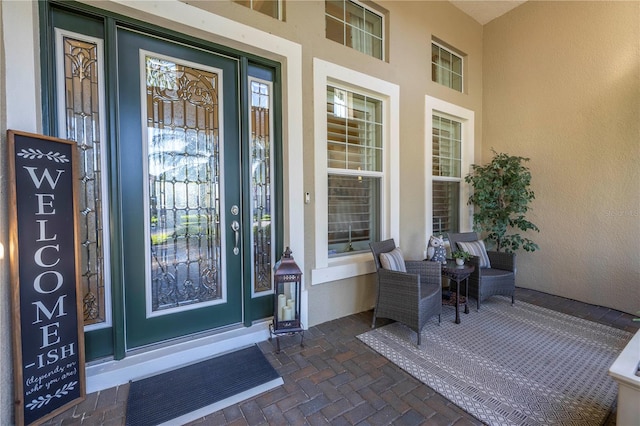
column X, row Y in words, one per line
column 191, row 392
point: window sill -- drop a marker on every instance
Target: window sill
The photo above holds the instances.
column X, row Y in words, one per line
column 343, row 267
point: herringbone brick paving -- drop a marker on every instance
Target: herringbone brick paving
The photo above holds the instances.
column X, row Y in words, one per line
column 336, row 379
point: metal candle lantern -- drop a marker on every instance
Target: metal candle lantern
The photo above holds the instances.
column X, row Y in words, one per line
column 286, row 300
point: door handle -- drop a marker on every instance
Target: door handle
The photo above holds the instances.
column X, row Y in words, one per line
column 235, row 226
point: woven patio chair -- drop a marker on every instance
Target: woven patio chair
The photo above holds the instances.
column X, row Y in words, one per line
column 484, row 282
column 410, row 297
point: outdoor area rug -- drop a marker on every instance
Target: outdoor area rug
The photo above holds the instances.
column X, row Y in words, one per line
column 191, row 392
column 512, row 365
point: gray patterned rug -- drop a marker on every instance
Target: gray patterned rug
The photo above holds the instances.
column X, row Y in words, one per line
column 512, row 365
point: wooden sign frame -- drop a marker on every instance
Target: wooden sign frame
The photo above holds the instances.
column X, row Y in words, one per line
column 46, row 302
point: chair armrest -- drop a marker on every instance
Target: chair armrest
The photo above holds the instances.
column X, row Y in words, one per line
column 400, row 283
column 429, row 272
column 502, row 260
column 475, row 261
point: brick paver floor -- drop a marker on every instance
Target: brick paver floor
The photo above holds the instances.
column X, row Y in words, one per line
column 336, row 379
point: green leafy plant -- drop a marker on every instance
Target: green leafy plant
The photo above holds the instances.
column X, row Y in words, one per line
column 501, row 196
column 460, row 254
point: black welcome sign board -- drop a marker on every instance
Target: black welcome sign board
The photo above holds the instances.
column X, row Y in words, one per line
column 48, row 337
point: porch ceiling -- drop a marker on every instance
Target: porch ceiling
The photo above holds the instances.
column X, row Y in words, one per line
column 486, row 11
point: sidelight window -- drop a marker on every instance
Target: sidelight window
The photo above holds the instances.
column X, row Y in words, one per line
column 261, row 184
column 81, row 118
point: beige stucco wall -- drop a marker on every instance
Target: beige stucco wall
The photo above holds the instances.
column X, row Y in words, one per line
column 411, row 27
column 562, row 86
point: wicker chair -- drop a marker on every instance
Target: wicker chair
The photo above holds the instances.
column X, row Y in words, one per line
column 487, row 282
column 410, row 297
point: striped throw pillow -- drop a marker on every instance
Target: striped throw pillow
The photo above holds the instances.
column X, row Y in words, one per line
column 393, row 260
column 476, row 248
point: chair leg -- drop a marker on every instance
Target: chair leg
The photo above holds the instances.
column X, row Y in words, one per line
column 373, row 323
column 513, row 299
column 418, row 338
column 439, row 318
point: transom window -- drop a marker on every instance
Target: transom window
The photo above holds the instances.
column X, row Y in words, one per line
column 354, row 165
column 446, row 172
column 354, row 25
column 446, row 67
column 271, row 8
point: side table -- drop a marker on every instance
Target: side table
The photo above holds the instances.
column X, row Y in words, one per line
column 458, row 273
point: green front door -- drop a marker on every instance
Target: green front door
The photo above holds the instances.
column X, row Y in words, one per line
column 180, row 176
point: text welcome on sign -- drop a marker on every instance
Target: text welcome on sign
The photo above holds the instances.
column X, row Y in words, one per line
column 49, row 343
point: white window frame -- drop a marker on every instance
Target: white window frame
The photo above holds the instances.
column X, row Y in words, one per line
column 462, row 61
column 467, row 118
column 325, row 74
column 382, row 32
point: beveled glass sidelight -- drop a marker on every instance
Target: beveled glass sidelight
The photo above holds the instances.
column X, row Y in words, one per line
column 184, row 168
column 79, row 66
column 260, row 186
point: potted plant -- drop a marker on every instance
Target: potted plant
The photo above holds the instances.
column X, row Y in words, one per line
column 501, row 196
column 460, row 256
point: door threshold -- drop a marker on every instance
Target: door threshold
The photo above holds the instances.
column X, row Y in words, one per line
column 145, row 363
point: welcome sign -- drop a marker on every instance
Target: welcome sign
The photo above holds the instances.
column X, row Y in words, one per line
column 48, row 339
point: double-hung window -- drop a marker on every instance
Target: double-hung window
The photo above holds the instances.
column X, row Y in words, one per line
column 451, row 136
column 446, row 67
column 354, row 165
column 446, row 164
column 354, row 25
column 356, row 179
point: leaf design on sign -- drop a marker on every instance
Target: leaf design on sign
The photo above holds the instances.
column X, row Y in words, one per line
column 59, row 393
column 31, row 154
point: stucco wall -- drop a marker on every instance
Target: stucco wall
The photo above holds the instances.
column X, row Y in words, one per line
column 411, row 27
column 562, row 86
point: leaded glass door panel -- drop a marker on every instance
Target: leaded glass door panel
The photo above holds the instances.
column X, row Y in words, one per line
column 180, row 175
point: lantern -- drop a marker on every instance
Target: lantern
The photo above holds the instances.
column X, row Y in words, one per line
column 287, row 278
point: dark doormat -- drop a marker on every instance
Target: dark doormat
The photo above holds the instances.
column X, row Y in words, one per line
column 176, row 393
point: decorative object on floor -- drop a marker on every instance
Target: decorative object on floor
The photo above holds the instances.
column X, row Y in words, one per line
column 512, row 364
column 484, row 282
column 287, row 278
column 435, row 249
column 410, row 297
column 501, row 195
column 191, row 392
